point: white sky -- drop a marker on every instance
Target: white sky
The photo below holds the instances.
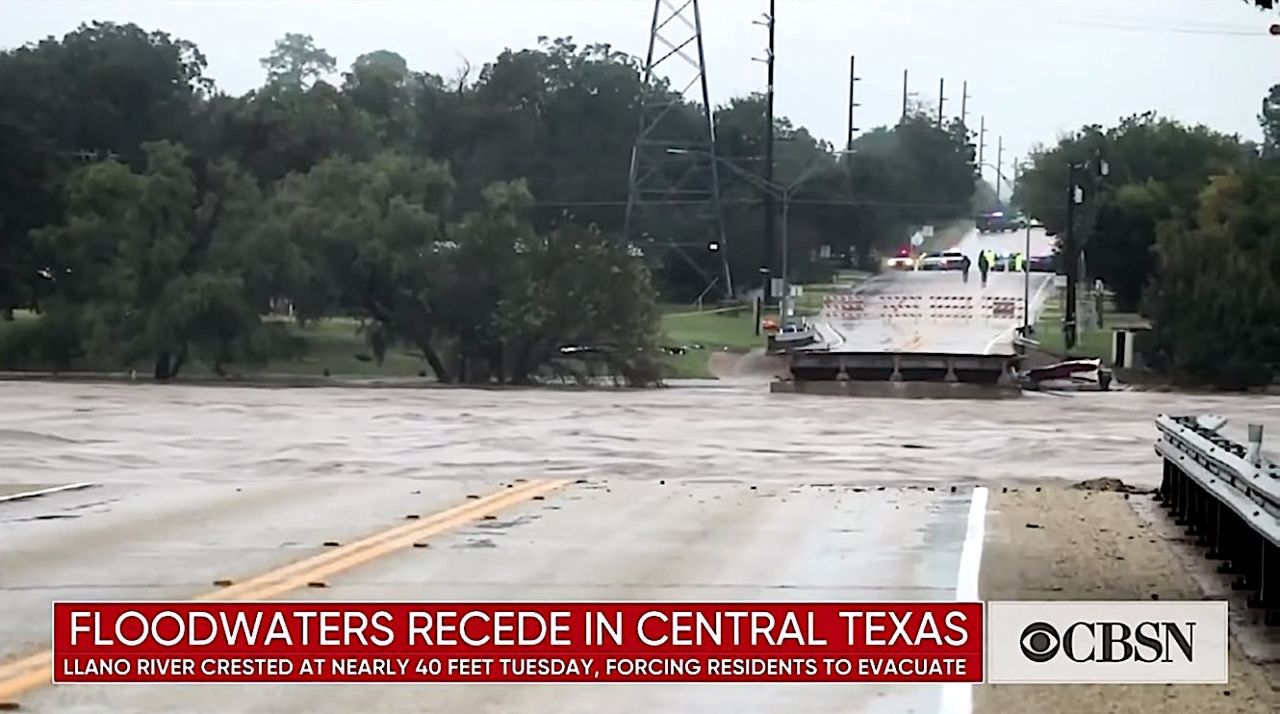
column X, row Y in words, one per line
column 1035, row 68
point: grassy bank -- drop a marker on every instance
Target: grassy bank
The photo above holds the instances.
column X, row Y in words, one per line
column 697, row 334
column 1091, row 342
column 335, row 347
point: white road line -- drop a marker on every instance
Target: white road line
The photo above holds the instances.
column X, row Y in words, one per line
column 46, row 491
column 971, row 553
column 958, row 698
column 1035, row 300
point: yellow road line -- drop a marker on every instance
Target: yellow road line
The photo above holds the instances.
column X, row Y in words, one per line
column 27, row 673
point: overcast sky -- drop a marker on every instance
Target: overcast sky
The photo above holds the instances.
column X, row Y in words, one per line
column 1035, row 68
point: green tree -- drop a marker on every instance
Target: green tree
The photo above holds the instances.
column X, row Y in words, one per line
column 102, row 89
column 1270, row 120
column 522, row 296
column 147, row 264
column 1215, row 303
column 296, row 61
column 1157, row 167
column 380, row 84
column 368, row 237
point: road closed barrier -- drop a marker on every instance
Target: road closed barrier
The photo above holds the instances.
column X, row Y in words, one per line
column 952, row 307
column 1002, row 308
column 1227, row 494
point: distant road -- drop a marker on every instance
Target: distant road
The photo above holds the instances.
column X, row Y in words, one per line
column 973, row 241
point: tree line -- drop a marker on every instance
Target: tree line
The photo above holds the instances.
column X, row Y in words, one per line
column 1185, row 228
column 478, row 216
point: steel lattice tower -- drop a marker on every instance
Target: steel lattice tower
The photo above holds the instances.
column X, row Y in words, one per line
column 674, row 167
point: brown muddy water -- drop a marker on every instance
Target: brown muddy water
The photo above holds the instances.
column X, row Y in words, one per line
column 730, row 430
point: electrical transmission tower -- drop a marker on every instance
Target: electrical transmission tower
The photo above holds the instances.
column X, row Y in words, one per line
column 674, row 167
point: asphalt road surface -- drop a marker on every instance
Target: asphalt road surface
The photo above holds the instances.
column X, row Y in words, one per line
column 599, row 540
column 933, row 312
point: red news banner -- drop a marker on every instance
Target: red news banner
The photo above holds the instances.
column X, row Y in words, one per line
column 517, row 642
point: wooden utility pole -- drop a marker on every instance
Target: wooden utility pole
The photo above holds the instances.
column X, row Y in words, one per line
column 942, row 98
column 853, row 104
column 905, row 95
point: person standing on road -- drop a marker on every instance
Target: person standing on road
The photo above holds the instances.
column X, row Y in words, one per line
column 984, row 264
column 1019, row 262
column 964, row 266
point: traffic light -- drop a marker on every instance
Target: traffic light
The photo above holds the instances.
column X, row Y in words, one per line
column 713, row 247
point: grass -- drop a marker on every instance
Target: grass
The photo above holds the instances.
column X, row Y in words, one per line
column 333, row 344
column 1091, row 342
column 336, row 345
column 700, row 333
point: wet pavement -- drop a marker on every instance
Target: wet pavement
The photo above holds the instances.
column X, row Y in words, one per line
column 699, row 491
column 608, row 540
column 933, row 312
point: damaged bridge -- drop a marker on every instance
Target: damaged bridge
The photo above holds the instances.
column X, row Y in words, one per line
column 918, row 327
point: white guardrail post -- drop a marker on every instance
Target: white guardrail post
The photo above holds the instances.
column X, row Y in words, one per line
column 1227, row 494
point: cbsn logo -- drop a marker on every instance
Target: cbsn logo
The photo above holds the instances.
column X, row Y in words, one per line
column 1148, row 641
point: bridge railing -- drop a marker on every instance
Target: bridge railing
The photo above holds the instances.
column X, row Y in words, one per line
column 1228, row 495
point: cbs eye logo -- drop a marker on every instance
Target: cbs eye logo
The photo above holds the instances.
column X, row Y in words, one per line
column 1040, row 642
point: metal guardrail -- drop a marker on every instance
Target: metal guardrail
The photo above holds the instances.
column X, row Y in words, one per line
column 1227, row 494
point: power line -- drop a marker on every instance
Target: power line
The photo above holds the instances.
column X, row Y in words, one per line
column 755, row 202
column 1223, row 31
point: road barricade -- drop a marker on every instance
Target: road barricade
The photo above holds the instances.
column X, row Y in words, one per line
column 1002, row 308
column 948, row 308
column 892, row 308
column 844, row 307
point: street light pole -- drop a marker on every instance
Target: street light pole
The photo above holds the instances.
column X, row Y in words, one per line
column 788, row 192
column 775, row 192
column 1026, row 284
column 784, row 300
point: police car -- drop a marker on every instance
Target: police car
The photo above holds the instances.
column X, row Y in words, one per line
column 943, row 261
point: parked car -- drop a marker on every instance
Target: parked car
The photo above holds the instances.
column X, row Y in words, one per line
column 1000, row 222
column 943, row 261
column 1041, row 264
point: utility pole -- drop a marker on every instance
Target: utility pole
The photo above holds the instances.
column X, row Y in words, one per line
column 853, row 81
column 964, row 106
column 771, row 223
column 1071, row 251
column 982, row 141
column 1069, row 254
column 999, row 164
column 904, row 95
column 942, row 98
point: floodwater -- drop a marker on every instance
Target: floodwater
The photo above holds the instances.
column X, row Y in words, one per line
column 54, row 433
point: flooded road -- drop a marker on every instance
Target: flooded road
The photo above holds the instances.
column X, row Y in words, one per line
column 702, row 491
column 52, row 433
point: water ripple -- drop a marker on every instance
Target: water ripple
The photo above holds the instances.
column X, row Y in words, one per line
column 125, row 433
